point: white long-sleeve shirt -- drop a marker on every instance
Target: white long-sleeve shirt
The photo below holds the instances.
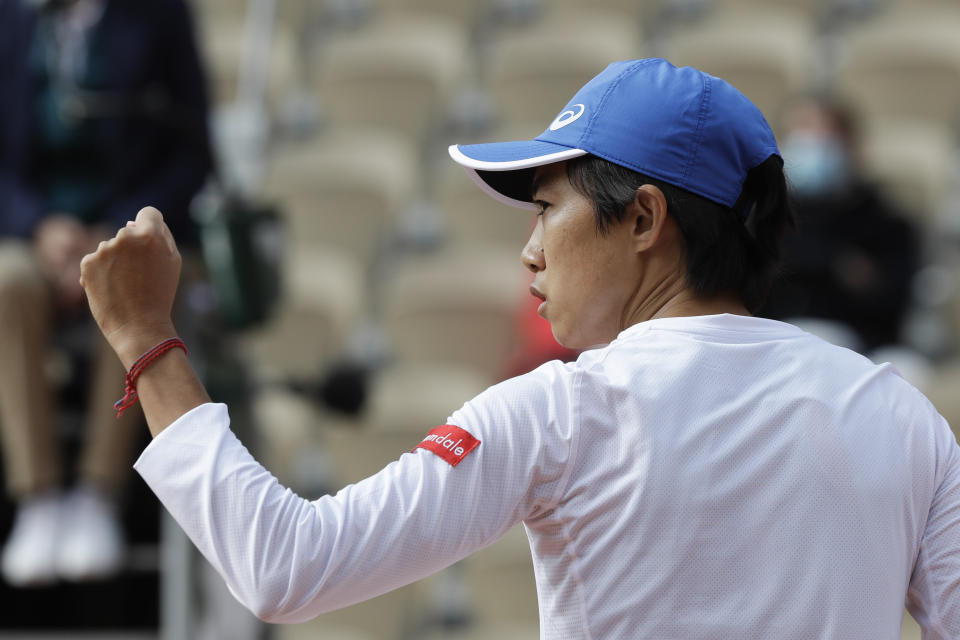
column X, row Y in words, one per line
column 699, row 478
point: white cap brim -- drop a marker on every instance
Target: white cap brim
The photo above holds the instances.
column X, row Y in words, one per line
column 480, row 159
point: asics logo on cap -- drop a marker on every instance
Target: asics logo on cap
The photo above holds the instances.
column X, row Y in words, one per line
column 566, row 117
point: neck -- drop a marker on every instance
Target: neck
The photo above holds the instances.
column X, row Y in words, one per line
column 690, row 305
column 671, row 298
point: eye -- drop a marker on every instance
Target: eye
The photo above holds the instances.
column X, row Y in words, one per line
column 541, row 206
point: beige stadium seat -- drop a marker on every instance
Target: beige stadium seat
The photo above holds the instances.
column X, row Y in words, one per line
column 913, row 4
column 485, row 630
column 496, row 586
column 765, row 54
column 344, row 190
column 286, row 424
column 912, row 162
column 406, row 401
column 458, row 307
column 322, row 300
column 221, row 36
column 942, row 392
column 358, row 452
column 320, row 629
column 466, row 14
column 501, row 583
column 391, row 616
column 909, row 630
column 393, row 74
column 905, row 64
column 472, row 218
column 952, row 311
column 803, row 9
column 289, row 13
column 533, row 72
column 412, row 398
column 632, row 12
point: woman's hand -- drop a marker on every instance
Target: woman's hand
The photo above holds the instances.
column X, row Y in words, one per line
column 130, row 282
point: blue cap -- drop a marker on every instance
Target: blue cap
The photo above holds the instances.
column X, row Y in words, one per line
column 680, row 125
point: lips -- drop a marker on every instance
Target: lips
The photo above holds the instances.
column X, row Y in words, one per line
column 536, row 293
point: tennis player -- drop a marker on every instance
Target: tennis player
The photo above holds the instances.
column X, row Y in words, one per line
column 698, row 474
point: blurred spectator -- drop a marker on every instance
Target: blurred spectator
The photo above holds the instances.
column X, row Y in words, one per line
column 103, row 110
column 853, row 259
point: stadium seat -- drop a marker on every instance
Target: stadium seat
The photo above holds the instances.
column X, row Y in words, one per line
column 287, row 424
column 912, row 162
column 910, row 630
column 913, row 4
column 486, row 631
column 533, row 72
column 322, row 298
column 357, row 453
column 223, row 41
column 393, row 74
column 406, row 401
column 412, row 398
column 501, row 582
column 807, row 10
column 466, row 14
column 473, row 218
column 631, row 12
column 905, row 64
column 942, row 392
column 321, row 629
column 766, row 54
column 457, row 307
column 951, row 309
column 387, row 617
column 344, row 190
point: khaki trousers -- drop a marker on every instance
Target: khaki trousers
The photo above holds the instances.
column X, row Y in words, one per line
column 28, row 433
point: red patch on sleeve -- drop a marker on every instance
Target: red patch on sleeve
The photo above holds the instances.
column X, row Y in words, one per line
column 450, row 443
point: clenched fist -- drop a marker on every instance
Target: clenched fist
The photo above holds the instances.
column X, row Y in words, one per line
column 130, row 282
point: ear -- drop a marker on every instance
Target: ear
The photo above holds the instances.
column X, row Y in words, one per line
column 648, row 215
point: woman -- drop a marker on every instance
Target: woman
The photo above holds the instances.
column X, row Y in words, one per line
column 700, row 474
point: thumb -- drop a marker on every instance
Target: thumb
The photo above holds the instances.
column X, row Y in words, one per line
column 149, row 216
column 150, row 219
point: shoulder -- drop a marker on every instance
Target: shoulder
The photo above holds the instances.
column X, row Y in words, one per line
column 526, row 421
column 534, row 396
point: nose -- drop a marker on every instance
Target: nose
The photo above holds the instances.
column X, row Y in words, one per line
column 532, row 254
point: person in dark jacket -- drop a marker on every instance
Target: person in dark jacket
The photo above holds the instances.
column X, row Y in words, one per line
column 103, row 108
column 854, row 258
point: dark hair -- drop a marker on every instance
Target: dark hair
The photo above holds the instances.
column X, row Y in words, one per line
column 728, row 249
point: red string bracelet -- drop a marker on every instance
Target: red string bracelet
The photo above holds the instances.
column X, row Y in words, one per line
column 141, row 363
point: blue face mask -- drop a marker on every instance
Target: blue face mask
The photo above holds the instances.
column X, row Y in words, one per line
column 815, row 165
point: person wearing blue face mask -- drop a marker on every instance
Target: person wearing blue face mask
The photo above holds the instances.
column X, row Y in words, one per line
column 855, row 256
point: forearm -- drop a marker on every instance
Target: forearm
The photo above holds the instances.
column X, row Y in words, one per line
column 288, row 559
column 169, row 387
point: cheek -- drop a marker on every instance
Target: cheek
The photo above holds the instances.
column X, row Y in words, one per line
column 587, row 301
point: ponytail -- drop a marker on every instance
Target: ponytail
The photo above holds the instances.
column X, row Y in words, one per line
column 765, row 204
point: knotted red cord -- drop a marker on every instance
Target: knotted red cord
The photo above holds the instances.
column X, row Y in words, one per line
column 141, row 363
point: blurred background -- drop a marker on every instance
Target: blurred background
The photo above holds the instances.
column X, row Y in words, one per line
column 347, row 286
